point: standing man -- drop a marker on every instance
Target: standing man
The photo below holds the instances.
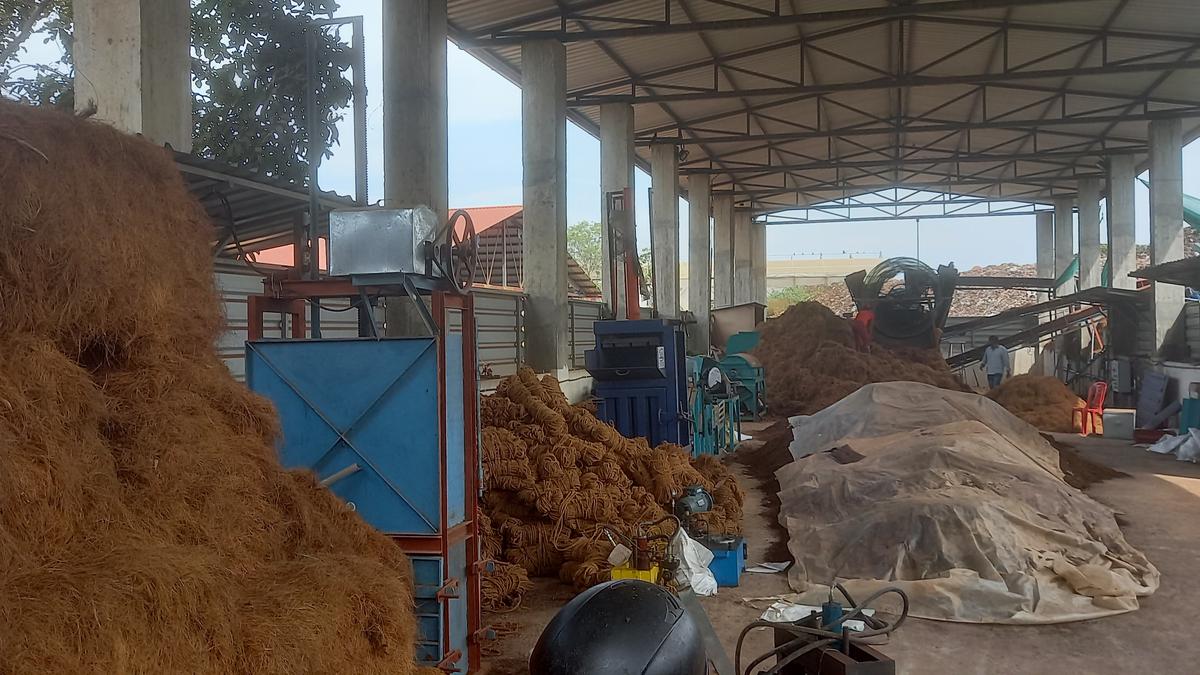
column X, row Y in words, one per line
column 995, row 362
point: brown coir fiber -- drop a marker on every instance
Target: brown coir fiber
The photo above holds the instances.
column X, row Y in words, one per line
column 146, row 525
column 811, row 361
column 555, row 477
column 1042, row 401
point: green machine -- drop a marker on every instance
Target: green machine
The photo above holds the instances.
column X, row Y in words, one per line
column 746, row 373
column 713, row 404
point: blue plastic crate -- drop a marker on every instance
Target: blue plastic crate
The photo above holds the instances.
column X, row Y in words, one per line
column 729, row 563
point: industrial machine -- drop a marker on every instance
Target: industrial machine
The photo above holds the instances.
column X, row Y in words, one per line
column 747, row 374
column 390, row 424
column 910, row 300
column 714, row 405
column 832, row 641
column 623, row 626
column 641, row 378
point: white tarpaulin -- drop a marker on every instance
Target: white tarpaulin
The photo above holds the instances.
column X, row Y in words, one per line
column 958, row 502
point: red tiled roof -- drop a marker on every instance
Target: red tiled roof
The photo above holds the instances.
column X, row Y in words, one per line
column 487, row 217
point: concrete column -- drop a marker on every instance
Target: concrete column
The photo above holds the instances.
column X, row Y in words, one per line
column 1064, row 239
column 743, row 280
column 133, row 63
column 700, row 259
column 544, row 182
column 1089, row 233
column 1166, row 217
column 616, row 174
column 415, row 137
column 1044, row 221
column 758, row 261
column 664, row 228
column 723, row 251
column 415, row 126
column 1122, row 248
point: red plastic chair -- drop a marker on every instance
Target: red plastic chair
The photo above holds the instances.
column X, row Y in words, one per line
column 1094, row 406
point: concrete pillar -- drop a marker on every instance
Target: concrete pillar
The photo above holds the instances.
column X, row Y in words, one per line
column 616, row 174
column 1122, row 248
column 1166, row 217
column 544, row 182
column 415, row 137
column 664, row 228
column 1064, row 240
column 743, row 280
column 700, row 259
column 415, row 127
column 1089, row 233
column 133, row 63
column 1044, row 221
column 723, row 251
column 758, row 261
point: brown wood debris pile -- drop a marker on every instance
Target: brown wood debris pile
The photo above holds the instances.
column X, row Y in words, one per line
column 811, row 361
column 146, row 525
column 555, row 477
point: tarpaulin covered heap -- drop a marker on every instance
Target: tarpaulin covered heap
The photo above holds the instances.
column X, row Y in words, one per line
column 956, row 501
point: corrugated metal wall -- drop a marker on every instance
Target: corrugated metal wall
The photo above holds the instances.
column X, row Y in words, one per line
column 581, row 315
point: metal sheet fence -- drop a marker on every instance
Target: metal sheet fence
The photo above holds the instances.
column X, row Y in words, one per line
column 581, row 314
column 499, row 316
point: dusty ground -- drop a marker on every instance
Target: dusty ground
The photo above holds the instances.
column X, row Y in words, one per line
column 1160, row 506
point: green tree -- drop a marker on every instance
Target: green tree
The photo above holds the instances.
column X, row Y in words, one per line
column 781, row 298
column 248, row 67
column 584, row 245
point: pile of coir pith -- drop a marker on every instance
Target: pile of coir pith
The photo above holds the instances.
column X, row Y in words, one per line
column 146, row 525
column 811, row 361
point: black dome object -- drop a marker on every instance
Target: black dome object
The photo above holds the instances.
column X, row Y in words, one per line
column 621, row 627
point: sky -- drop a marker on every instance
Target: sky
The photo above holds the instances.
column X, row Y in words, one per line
column 485, row 170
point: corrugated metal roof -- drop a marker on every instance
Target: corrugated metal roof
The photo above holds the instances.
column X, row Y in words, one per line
column 910, row 80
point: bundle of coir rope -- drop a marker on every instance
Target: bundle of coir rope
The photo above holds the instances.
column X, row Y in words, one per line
column 556, row 478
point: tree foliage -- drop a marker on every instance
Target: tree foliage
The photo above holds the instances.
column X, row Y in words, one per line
column 584, row 245
column 248, row 71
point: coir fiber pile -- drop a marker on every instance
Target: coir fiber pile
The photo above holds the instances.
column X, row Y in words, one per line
column 145, row 523
column 1044, row 402
column 555, row 476
column 811, row 362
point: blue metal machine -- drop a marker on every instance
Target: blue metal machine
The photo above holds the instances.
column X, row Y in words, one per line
column 641, row 378
column 715, row 408
column 747, row 374
column 390, row 425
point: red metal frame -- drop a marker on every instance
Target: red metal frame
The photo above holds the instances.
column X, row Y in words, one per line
column 288, row 296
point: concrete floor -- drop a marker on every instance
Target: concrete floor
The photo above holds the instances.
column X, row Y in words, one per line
column 1160, row 509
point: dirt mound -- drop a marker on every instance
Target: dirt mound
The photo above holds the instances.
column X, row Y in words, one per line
column 555, row 478
column 1079, row 471
column 1042, row 401
column 145, row 522
column 811, row 361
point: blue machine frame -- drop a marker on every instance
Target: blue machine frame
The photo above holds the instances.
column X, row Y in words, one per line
column 641, row 378
column 389, row 425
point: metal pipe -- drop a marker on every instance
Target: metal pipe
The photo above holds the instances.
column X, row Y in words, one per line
column 339, row 475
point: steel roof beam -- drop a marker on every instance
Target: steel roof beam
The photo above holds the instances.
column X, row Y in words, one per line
column 916, row 129
column 498, row 38
column 960, row 158
column 1023, row 211
column 811, row 91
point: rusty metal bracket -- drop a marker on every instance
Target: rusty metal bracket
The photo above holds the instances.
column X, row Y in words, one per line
column 449, row 590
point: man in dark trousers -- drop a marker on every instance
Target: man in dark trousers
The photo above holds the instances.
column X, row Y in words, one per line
column 995, row 362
